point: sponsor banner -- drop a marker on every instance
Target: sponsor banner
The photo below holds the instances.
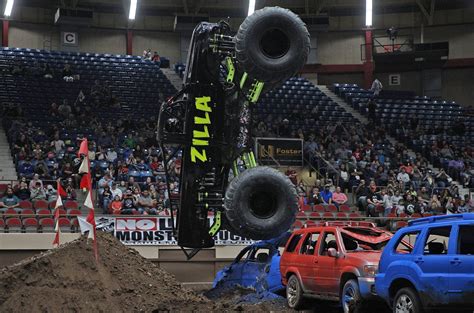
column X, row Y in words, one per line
column 279, row 151
column 155, row 231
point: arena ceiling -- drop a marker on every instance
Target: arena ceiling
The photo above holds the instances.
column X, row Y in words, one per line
column 233, row 8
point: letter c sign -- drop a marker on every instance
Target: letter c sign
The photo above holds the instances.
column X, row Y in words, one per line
column 69, row 39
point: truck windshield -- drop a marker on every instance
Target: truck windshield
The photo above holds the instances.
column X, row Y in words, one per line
column 355, row 245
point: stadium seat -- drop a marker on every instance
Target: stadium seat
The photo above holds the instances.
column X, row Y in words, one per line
column 297, row 224
column 30, row 224
column 27, row 213
column 2, row 225
column 345, row 208
column 69, row 205
column 64, row 224
column 10, row 213
column 74, row 213
column 13, row 224
column 327, row 215
column 400, row 224
column 25, row 204
column 331, row 208
column 341, row 215
column 354, row 215
column 306, row 207
column 47, row 224
column 301, row 215
column 43, row 213
column 318, row 208
column 311, row 224
column 41, row 204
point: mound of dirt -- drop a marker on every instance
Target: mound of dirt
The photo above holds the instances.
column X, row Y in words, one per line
column 68, row 279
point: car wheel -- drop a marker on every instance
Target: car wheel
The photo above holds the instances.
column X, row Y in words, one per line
column 351, row 299
column 407, row 301
column 294, row 293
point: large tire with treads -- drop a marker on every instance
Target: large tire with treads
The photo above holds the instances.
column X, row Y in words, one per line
column 260, row 203
column 272, row 45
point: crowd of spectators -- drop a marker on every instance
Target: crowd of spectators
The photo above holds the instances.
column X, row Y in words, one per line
column 382, row 177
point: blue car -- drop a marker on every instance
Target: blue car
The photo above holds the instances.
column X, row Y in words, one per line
column 429, row 264
column 256, row 266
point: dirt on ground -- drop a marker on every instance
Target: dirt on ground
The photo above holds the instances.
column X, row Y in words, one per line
column 68, row 279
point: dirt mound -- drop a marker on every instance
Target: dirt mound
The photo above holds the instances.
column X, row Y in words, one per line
column 68, row 279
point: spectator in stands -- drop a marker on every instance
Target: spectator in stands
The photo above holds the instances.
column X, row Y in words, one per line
column 9, row 201
column 145, row 204
column 23, row 192
column 469, row 203
column 107, row 197
column 111, row 155
column 387, row 201
column 435, row 205
column 64, row 109
column 376, row 87
column 35, row 180
column 70, row 192
column 338, row 197
column 115, row 206
column 371, row 108
column 361, row 193
column 411, row 205
column 147, row 54
column 68, row 74
column 374, row 199
column 156, row 58
column 442, row 179
column 316, row 196
column 58, row 144
column 46, row 71
column 284, row 129
column 326, row 194
column 403, row 179
column 37, row 192
column 116, row 191
column 51, row 193
column 128, row 203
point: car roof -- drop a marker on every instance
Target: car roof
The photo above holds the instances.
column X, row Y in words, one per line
column 439, row 220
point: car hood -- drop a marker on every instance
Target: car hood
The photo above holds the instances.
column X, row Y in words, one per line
column 365, row 257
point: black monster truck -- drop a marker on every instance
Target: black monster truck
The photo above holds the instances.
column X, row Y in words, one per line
column 209, row 121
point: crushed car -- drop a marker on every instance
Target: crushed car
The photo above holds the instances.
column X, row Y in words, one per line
column 257, row 266
column 337, row 261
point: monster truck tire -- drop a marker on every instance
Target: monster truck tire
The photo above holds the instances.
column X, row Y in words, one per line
column 261, row 203
column 272, row 44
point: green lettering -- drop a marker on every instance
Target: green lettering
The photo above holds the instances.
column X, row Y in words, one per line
column 202, row 120
column 201, row 134
column 200, row 142
column 202, row 104
column 195, row 154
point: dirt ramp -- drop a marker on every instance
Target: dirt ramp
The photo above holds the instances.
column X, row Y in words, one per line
column 68, row 280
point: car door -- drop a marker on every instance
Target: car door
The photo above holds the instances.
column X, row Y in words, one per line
column 254, row 267
column 306, row 260
column 461, row 265
column 434, row 263
column 234, row 272
column 326, row 278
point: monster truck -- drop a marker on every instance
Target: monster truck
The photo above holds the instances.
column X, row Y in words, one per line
column 208, row 122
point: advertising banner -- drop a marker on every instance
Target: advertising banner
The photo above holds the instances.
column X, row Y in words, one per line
column 154, row 231
column 279, row 151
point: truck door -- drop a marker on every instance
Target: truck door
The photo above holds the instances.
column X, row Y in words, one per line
column 326, row 272
column 461, row 265
column 306, row 260
column 434, row 263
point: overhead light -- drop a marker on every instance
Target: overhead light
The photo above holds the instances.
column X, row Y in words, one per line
column 368, row 12
column 9, row 8
column 251, row 7
column 133, row 9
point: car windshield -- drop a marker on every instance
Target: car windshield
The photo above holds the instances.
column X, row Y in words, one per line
column 355, row 245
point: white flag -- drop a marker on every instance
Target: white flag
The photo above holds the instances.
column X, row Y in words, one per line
column 88, row 202
column 59, row 202
column 85, row 226
column 84, row 168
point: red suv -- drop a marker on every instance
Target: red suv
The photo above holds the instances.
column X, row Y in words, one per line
column 336, row 261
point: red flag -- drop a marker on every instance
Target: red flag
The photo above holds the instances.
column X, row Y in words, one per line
column 86, row 181
column 61, row 192
column 56, row 239
column 83, row 148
